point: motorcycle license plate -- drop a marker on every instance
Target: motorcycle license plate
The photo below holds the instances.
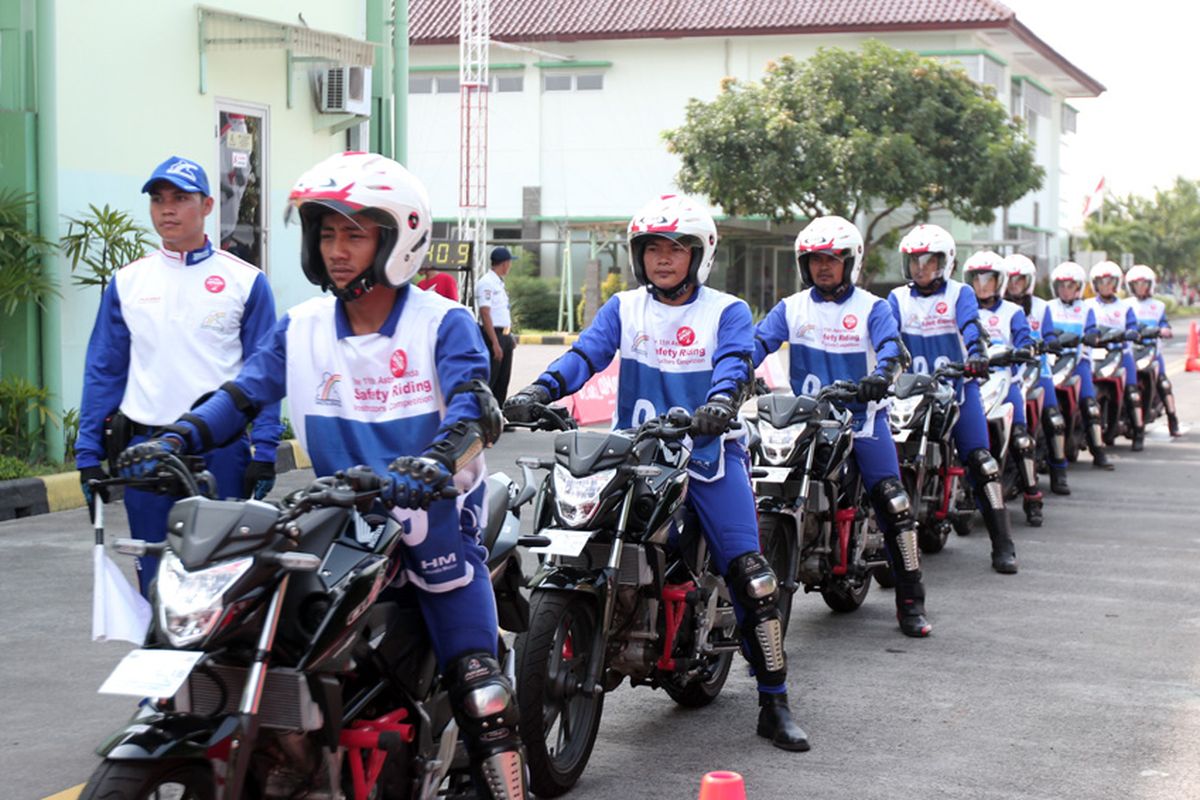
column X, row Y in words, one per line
column 151, row 673
column 563, row 542
column 901, row 435
column 774, row 474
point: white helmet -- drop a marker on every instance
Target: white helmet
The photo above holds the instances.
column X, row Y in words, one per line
column 1140, row 272
column 379, row 188
column 1068, row 272
column 1105, row 269
column 833, row 235
column 682, row 220
column 929, row 239
column 1017, row 265
column 983, row 262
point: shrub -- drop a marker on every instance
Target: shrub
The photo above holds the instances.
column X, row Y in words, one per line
column 13, row 468
column 534, row 302
column 20, row 403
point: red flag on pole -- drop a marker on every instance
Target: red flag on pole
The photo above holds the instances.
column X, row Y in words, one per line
column 1091, row 203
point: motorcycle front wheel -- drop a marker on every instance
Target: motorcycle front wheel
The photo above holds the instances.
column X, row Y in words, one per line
column 846, row 595
column 777, row 538
column 150, row 780
column 559, row 721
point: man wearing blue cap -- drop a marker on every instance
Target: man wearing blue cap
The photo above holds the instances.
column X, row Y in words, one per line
column 496, row 320
column 173, row 327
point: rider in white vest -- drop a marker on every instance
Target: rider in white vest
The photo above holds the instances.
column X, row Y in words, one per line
column 1113, row 312
column 1149, row 310
column 684, row 344
column 386, row 375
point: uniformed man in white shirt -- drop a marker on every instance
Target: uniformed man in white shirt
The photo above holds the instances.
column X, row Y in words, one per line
column 496, row 320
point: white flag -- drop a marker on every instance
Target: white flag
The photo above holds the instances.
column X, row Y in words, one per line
column 119, row 612
column 1092, row 203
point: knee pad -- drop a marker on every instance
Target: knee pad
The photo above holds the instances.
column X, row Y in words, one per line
column 986, row 471
column 1022, row 442
column 1133, row 399
column 890, row 498
column 483, row 703
column 1053, row 419
column 1164, row 384
column 754, row 585
column 1091, row 409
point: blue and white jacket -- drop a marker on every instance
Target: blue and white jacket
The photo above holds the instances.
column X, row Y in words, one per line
column 938, row 328
column 1005, row 323
column 1074, row 317
column 832, row 340
column 1149, row 311
column 171, row 328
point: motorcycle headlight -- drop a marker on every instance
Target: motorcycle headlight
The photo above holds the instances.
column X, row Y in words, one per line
column 778, row 444
column 578, row 499
column 994, row 390
column 190, row 603
column 901, row 411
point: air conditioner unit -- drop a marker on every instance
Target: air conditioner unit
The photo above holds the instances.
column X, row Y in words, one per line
column 346, row 90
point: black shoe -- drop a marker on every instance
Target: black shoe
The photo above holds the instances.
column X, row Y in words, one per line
column 775, row 723
column 913, row 623
column 1139, row 442
column 1173, row 424
column 1100, row 460
column 1058, row 481
column 1033, row 510
column 1004, row 562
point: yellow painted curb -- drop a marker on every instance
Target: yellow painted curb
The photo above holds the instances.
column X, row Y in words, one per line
column 548, row 338
column 67, row 794
column 301, row 457
column 62, row 491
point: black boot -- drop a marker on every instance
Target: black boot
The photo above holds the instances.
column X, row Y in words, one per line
column 1033, row 510
column 775, row 723
column 989, row 496
column 910, row 606
column 1139, row 441
column 1058, row 480
column 1173, row 424
column 1100, row 459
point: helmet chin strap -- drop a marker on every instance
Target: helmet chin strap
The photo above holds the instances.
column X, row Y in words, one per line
column 674, row 293
column 834, row 295
column 355, row 288
column 933, row 286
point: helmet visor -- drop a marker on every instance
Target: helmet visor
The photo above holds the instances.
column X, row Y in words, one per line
column 924, row 267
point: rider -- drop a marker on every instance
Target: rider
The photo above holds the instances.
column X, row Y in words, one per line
column 1007, row 324
column 686, row 344
column 1140, row 281
column 1069, row 315
column 837, row 331
column 1022, row 275
column 394, row 378
column 939, row 322
column 1113, row 312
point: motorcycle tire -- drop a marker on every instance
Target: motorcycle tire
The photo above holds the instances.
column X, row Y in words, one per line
column 140, row 780
column 964, row 513
column 1074, row 439
column 932, row 536
column 1011, row 477
column 884, row 577
column 1109, row 424
column 845, row 596
column 702, row 690
column 558, row 720
column 777, row 539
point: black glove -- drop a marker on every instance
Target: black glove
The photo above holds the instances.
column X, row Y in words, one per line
column 93, row 474
column 977, row 367
column 713, row 418
column 1132, row 336
column 1091, row 339
column 141, row 460
column 259, row 480
column 1024, row 354
column 873, row 388
column 414, row 482
column 521, row 407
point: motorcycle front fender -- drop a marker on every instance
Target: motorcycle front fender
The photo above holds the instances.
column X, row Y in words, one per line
column 159, row 737
column 570, row 579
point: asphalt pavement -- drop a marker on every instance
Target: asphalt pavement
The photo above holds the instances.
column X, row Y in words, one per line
column 1077, row 678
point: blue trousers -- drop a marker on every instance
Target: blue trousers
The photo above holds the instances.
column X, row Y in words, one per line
column 1130, row 368
column 148, row 511
column 1086, row 387
column 1017, row 398
column 970, row 432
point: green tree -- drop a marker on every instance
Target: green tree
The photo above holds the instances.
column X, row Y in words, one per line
column 22, row 278
column 104, row 240
column 1162, row 231
column 878, row 132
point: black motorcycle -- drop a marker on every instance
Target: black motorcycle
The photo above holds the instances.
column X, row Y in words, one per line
column 292, row 681
column 1108, row 375
column 922, row 416
column 1145, row 356
column 626, row 588
column 813, row 513
column 1063, row 361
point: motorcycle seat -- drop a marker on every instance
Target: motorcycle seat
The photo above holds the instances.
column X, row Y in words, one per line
column 497, row 505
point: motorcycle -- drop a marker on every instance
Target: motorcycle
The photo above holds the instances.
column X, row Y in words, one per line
column 1066, row 386
column 813, row 513
column 270, row 671
column 1108, row 374
column 922, row 417
column 626, row 588
column 1145, row 355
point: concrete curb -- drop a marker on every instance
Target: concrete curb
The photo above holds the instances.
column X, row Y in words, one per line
column 549, row 338
column 27, row 497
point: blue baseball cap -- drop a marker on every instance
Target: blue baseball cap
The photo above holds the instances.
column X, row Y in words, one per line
column 500, row 255
column 182, row 172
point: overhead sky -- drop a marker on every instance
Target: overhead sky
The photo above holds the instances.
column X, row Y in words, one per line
column 1143, row 131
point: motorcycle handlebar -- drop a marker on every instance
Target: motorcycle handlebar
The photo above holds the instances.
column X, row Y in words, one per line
column 546, row 418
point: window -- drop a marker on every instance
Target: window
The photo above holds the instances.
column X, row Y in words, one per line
column 1016, row 105
column 1031, row 123
column 447, row 84
column 506, row 234
column 440, row 230
column 508, row 83
column 1069, row 116
column 580, row 82
column 556, row 83
column 242, row 150
column 589, row 82
column 420, row 84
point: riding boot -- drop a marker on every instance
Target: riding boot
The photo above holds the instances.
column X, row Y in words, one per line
column 989, row 494
column 1058, row 480
column 910, row 605
column 1033, row 510
column 775, row 723
column 1091, row 425
column 1168, row 397
column 1137, row 423
column 486, row 710
column 1172, row 424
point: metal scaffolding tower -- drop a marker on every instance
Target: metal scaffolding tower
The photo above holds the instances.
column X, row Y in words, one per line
column 474, row 33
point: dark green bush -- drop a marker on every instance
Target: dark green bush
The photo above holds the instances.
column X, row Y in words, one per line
column 12, row 468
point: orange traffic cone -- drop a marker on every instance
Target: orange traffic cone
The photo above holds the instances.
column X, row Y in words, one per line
column 722, row 786
column 1193, row 349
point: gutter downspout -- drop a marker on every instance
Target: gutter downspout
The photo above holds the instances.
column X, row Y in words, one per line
column 400, row 82
column 47, row 208
column 381, row 131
